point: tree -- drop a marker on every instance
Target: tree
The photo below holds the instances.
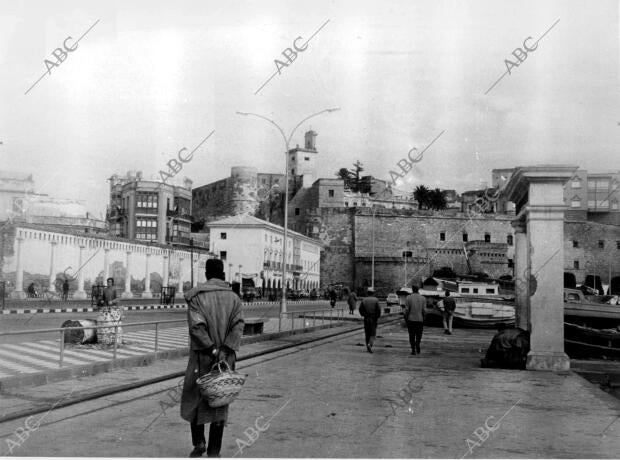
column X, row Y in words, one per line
column 422, row 195
column 356, row 185
column 272, row 208
column 346, row 176
column 437, row 199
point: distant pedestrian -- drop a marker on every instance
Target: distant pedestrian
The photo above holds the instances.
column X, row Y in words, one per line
column 370, row 310
column 110, row 315
column 415, row 312
column 332, row 297
column 447, row 307
column 215, row 324
column 65, row 290
column 352, row 301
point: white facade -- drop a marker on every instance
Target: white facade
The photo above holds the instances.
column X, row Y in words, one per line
column 252, row 248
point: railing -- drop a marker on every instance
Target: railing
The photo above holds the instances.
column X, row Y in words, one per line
column 323, row 314
column 62, row 331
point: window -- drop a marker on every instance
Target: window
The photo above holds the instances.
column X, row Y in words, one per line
column 306, row 158
column 487, row 238
column 442, row 236
column 575, row 202
column 511, row 263
column 591, row 204
column 603, row 204
column 330, row 193
column 355, row 203
column 614, row 204
column 465, row 237
column 223, row 235
column 575, row 243
column 346, row 203
column 293, row 171
column 617, row 244
column 263, row 181
column 509, row 240
column 296, row 211
column 575, row 183
column 475, row 290
column 465, row 290
column 576, row 264
column 223, row 255
column 601, row 244
column 490, row 291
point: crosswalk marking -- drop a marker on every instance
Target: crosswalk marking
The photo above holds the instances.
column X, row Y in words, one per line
column 32, row 357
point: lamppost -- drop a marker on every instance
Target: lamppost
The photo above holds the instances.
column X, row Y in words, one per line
column 229, row 273
column 240, row 279
column 287, row 141
column 372, row 274
column 191, row 252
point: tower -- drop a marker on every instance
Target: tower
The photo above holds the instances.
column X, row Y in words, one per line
column 302, row 161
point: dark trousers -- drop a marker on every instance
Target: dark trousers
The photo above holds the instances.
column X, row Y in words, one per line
column 216, row 433
column 415, row 334
column 370, row 329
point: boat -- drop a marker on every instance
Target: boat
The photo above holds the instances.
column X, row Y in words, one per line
column 588, row 342
column 593, row 311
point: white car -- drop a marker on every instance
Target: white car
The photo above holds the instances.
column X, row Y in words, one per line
column 392, row 299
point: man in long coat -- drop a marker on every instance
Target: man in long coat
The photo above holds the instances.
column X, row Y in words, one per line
column 352, row 301
column 370, row 310
column 215, row 323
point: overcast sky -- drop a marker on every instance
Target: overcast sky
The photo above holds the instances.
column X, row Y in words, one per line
column 152, row 77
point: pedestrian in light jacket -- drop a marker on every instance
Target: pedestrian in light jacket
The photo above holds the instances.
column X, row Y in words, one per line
column 370, row 310
column 215, row 324
column 415, row 312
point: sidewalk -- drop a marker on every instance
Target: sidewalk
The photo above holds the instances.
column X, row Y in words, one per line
column 337, row 400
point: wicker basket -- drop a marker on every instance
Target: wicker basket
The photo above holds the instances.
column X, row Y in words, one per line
column 221, row 387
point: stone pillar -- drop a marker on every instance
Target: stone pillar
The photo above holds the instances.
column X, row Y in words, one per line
column 538, row 194
column 19, row 293
column 147, row 294
column 166, row 270
column 52, row 272
column 521, row 276
column 180, row 288
column 80, row 293
column 127, row 293
column 106, row 265
column 545, row 229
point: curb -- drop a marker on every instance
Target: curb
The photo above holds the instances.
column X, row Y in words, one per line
column 29, row 311
column 68, row 373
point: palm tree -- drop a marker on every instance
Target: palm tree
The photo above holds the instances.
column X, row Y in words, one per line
column 422, row 195
column 437, row 199
column 358, row 167
column 346, row 176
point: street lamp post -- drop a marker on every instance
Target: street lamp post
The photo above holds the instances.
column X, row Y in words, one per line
column 287, row 141
column 230, row 273
column 372, row 274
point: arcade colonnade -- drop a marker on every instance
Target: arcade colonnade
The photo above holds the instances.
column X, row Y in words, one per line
column 46, row 253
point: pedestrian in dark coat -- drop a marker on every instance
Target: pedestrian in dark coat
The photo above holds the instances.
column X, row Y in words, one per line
column 215, row 324
column 352, row 301
column 370, row 310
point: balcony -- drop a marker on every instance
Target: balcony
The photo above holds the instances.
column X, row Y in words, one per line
column 182, row 214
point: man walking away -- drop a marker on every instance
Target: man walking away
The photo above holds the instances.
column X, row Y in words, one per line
column 352, row 300
column 215, row 324
column 415, row 312
column 65, row 290
column 369, row 309
column 447, row 306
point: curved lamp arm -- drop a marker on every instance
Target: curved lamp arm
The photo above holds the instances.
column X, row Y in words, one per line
column 307, row 118
column 268, row 120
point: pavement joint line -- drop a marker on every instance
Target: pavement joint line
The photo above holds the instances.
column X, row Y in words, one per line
column 151, row 381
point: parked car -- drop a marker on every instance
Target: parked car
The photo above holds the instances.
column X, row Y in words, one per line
column 249, row 293
column 392, row 299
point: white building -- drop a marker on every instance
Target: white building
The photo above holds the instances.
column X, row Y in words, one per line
column 251, row 248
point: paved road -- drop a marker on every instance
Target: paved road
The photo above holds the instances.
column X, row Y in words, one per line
column 23, row 322
column 336, row 400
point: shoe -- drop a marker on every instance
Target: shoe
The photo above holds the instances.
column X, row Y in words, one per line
column 449, row 332
column 418, row 350
column 198, row 450
column 413, row 353
column 446, row 331
column 369, row 348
